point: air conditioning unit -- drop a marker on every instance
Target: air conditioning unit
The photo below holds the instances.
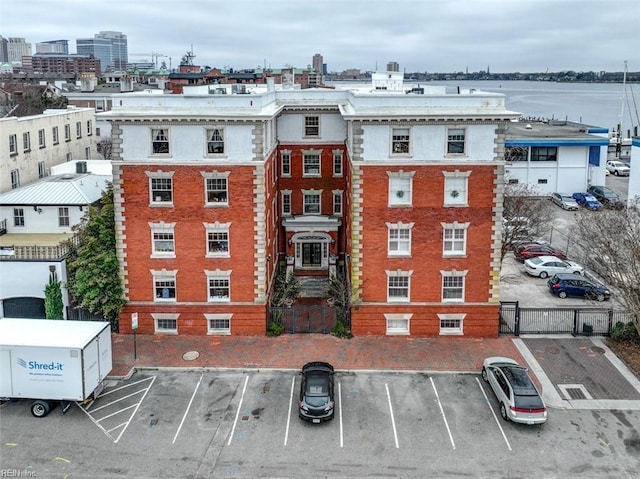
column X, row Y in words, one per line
column 81, row 167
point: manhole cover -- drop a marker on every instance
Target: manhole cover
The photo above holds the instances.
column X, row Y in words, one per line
column 552, row 350
column 597, row 349
column 190, row 355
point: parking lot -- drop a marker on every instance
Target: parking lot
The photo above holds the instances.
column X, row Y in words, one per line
column 245, row 424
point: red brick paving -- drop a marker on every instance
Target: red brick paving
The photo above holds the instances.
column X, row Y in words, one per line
column 292, row 351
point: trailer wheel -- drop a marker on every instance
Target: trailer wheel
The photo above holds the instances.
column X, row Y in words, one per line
column 40, row 408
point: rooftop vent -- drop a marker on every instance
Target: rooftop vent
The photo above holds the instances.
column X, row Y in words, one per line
column 529, row 127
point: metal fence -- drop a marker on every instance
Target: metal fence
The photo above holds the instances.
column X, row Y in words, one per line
column 575, row 321
column 304, row 319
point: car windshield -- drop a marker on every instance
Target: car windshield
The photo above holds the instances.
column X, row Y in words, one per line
column 589, row 198
column 317, row 389
column 535, row 260
column 610, row 194
column 528, row 401
column 569, row 199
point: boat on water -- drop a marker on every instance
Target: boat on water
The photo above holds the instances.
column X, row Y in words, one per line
column 620, row 141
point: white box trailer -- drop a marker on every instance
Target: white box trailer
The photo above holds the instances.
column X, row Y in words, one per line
column 53, row 360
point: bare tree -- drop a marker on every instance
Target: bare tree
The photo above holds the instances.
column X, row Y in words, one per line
column 610, row 242
column 527, row 215
column 105, row 148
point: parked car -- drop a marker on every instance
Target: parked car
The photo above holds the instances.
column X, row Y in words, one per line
column 563, row 285
column 566, row 202
column 587, row 200
column 617, row 168
column 606, row 196
column 532, row 250
column 517, row 396
column 316, row 392
column 545, row 266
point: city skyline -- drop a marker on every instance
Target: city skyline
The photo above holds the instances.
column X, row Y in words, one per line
column 434, row 36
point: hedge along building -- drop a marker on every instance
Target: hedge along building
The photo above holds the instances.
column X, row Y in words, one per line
column 402, row 188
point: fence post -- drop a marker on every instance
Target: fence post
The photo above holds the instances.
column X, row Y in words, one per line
column 576, row 314
column 516, row 320
column 610, row 322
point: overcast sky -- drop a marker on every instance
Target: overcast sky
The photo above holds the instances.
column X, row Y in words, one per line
column 421, row 35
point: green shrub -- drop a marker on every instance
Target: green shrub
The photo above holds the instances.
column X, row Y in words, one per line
column 340, row 330
column 625, row 332
column 275, row 329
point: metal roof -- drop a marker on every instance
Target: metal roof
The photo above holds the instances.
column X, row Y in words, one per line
column 67, row 189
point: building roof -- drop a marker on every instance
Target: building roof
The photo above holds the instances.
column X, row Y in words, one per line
column 66, row 189
column 553, row 132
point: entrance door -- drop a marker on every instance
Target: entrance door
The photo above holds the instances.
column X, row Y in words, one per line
column 311, row 255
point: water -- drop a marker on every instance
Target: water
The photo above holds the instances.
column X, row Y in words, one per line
column 595, row 104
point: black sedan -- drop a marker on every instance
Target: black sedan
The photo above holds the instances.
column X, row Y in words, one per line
column 316, row 392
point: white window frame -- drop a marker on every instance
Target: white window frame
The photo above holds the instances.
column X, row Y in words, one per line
column 42, row 141
column 401, row 141
column 165, row 318
column 285, row 163
column 160, row 136
column 447, row 275
column 87, row 153
column 54, row 133
column 337, row 202
column 78, row 130
column 219, row 319
column 155, row 199
column 219, row 198
column 395, row 242
column 42, row 169
column 312, row 126
column 213, row 142
column 399, row 183
column 391, row 276
column 218, row 275
column 69, row 156
column 455, row 136
column 67, row 132
column 13, row 144
column 306, row 205
column 167, row 229
column 89, row 128
column 451, row 324
column 18, row 217
column 456, row 188
column 452, row 244
column 26, row 141
column 286, row 202
column 15, row 179
column 160, row 276
column 217, row 229
column 311, row 164
column 337, row 163
column 398, row 324
column 63, row 217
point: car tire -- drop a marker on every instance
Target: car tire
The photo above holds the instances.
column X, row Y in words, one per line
column 577, row 272
column 600, row 297
column 544, row 274
column 562, row 294
column 485, row 378
column 503, row 412
column 615, row 172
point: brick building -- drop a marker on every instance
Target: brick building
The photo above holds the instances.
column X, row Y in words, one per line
column 400, row 190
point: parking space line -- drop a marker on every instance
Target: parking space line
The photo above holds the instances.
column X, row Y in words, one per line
column 293, row 385
column 188, row 408
column 115, row 413
column 494, row 414
column 117, row 400
column 111, row 391
column 446, row 423
column 117, row 427
column 340, row 406
column 393, row 421
column 136, row 410
column 235, row 422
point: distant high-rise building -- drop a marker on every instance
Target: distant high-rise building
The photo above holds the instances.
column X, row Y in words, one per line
column 393, row 67
column 4, row 52
column 53, row 46
column 108, row 47
column 317, row 63
column 17, row 48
